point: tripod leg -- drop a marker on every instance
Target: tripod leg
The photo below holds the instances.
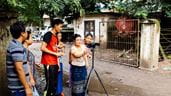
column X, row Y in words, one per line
column 88, row 81
column 101, row 82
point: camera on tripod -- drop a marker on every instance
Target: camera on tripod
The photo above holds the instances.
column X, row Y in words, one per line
column 93, row 45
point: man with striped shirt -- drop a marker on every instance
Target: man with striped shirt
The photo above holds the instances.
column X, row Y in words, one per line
column 16, row 62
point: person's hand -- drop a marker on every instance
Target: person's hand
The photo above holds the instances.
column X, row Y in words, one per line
column 63, row 45
column 39, row 69
column 89, row 56
column 62, row 54
column 38, row 66
column 59, row 67
column 58, row 54
column 87, row 66
column 32, row 82
column 29, row 92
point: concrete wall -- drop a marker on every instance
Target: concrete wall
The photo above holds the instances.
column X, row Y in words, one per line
column 103, row 34
column 46, row 22
column 100, row 31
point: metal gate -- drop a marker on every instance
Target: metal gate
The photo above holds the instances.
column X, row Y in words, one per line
column 165, row 41
column 120, row 41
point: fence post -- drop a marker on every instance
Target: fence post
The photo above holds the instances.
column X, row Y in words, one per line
column 149, row 48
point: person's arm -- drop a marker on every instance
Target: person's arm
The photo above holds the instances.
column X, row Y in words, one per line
column 32, row 81
column 17, row 54
column 88, row 53
column 44, row 49
column 70, row 59
column 22, row 77
column 46, row 39
column 62, row 48
column 63, row 52
column 76, row 53
column 86, row 59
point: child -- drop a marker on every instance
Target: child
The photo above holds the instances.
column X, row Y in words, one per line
column 78, row 60
column 61, row 48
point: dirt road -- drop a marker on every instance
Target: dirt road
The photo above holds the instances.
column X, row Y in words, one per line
column 121, row 80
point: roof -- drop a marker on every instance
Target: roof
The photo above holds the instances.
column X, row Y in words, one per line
column 102, row 14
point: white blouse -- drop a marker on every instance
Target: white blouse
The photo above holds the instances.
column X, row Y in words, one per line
column 78, row 61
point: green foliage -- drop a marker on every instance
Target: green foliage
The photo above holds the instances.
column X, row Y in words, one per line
column 72, row 7
column 28, row 10
column 140, row 8
column 141, row 13
column 33, row 10
column 166, row 7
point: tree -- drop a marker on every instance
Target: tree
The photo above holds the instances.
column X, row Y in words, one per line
column 33, row 10
column 140, row 8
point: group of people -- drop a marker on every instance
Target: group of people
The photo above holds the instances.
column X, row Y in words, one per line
column 20, row 61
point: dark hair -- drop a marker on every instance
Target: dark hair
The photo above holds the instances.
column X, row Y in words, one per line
column 89, row 34
column 56, row 22
column 28, row 32
column 75, row 36
column 16, row 29
column 58, row 33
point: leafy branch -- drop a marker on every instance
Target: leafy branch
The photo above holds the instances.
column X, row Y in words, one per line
column 138, row 8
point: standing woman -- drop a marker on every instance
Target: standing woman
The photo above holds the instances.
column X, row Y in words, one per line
column 61, row 49
column 78, row 67
column 34, row 78
column 30, row 58
column 88, row 40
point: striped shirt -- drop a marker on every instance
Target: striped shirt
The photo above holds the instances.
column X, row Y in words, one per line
column 16, row 53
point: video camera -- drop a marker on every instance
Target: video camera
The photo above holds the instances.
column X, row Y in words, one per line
column 93, row 45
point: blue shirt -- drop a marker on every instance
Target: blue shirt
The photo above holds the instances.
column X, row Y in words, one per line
column 16, row 53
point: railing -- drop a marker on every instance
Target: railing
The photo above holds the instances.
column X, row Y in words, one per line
column 165, row 41
column 122, row 45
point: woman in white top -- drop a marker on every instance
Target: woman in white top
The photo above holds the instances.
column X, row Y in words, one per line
column 78, row 60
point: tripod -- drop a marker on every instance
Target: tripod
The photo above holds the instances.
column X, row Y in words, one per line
column 90, row 74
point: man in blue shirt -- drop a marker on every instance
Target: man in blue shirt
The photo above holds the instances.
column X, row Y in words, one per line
column 16, row 62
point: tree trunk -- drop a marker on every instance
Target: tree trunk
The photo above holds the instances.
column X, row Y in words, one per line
column 4, row 40
column 3, row 80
